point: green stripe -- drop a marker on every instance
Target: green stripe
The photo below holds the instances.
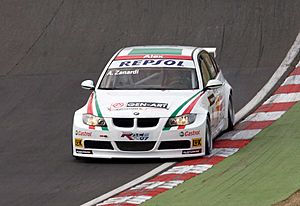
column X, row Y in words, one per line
column 99, row 111
column 174, row 114
column 156, row 51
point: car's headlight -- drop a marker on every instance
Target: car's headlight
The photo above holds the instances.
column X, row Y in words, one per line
column 181, row 120
column 92, row 120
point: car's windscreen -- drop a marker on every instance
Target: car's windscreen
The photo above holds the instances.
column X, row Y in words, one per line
column 160, row 78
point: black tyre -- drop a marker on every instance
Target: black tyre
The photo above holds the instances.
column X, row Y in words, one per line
column 230, row 118
column 208, row 139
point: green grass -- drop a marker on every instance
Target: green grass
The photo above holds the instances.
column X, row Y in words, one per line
column 266, row 171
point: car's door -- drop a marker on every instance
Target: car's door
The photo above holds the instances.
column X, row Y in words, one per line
column 219, row 105
column 215, row 97
column 205, row 74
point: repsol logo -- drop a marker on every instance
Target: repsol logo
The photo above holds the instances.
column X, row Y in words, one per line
column 152, row 62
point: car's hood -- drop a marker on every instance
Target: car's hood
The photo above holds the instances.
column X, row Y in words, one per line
column 140, row 103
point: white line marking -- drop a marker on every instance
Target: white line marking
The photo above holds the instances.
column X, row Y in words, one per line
column 158, row 184
column 278, row 98
column 224, row 152
column 127, row 199
column 130, row 184
column 295, row 79
column 264, row 116
column 240, row 134
column 282, row 70
column 188, row 169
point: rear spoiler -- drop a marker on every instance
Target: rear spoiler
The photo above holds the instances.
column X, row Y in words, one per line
column 211, row 51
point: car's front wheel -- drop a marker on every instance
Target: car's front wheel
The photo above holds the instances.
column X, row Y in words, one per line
column 208, row 139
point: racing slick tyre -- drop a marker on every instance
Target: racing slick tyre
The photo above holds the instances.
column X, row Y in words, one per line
column 208, row 139
column 230, row 118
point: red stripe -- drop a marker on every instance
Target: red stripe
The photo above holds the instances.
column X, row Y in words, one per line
column 90, row 107
column 253, row 125
column 291, row 88
column 275, row 107
column 190, row 108
column 231, row 143
column 143, row 191
column 154, row 56
column 170, row 177
column 156, row 191
column 296, row 71
column 203, row 160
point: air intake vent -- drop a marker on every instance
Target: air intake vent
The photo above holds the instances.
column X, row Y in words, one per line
column 98, row 144
column 147, row 122
column 180, row 144
column 123, row 122
column 135, row 146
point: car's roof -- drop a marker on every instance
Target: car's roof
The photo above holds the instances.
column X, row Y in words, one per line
column 157, row 50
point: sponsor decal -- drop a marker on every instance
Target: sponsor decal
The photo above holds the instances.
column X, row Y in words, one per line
column 83, row 133
column 152, row 62
column 219, row 104
column 153, row 56
column 148, row 104
column 189, row 133
column 193, row 151
column 117, row 105
column 137, row 106
column 81, row 151
column 103, row 136
column 197, row 142
column 122, row 72
column 78, row 142
column 211, row 99
column 135, row 136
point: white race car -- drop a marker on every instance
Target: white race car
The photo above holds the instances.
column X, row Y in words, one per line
column 154, row 102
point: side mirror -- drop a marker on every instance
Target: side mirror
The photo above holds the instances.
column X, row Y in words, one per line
column 88, row 84
column 213, row 84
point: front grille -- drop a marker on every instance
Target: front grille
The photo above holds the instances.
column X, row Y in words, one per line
column 135, row 146
column 147, row 122
column 123, row 122
column 98, row 144
column 180, row 144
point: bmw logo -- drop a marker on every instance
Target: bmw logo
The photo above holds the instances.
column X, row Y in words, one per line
column 181, row 134
column 136, row 113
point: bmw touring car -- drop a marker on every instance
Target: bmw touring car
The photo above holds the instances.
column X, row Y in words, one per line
column 154, row 102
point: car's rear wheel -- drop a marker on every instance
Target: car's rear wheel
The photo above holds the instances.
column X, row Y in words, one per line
column 208, row 139
column 230, row 118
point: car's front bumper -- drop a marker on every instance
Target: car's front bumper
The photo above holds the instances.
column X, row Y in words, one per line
column 112, row 143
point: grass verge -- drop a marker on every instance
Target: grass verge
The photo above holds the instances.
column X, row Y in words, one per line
column 265, row 172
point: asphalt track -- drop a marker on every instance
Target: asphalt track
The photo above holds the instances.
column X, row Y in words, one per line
column 48, row 47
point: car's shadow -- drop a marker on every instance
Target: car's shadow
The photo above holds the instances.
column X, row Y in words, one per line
column 129, row 161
